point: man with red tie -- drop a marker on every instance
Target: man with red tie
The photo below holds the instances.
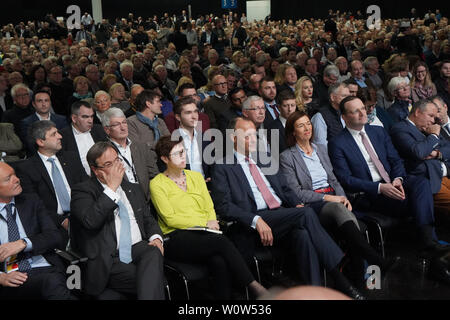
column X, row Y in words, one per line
column 268, row 212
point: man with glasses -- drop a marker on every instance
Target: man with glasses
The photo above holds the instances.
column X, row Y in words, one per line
column 140, row 166
column 50, row 173
column 112, row 225
column 328, row 123
column 311, row 69
column 21, row 95
column 219, row 102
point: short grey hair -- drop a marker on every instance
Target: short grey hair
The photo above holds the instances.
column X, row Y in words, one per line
column 334, row 88
column 331, row 70
column 20, row 86
column 101, row 93
column 368, row 61
column 248, row 102
column 126, row 63
column 111, row 113
column 421, row 105
column 393, row 84
column 96, row 151
column 39, row 129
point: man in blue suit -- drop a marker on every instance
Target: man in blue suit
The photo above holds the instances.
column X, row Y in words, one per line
column 267, row 211
column 42, row 104
column 365, row 160
column 426, row 153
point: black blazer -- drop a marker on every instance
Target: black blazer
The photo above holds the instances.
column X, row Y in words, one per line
column 233, row 197
column 94, row 232
column 39, row 228
column 70, row 144
column 35, row 179
column 277, row 125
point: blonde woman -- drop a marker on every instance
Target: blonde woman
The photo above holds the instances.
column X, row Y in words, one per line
column 118, row 97
column 303, row 96
column 182, row 81
column 108, row 80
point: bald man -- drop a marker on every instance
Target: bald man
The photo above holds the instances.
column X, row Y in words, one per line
column 28, row 239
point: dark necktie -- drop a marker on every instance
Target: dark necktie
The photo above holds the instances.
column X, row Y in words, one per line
column 374, row 158
column 13, row 235
column 270, row 200
column 274, row 108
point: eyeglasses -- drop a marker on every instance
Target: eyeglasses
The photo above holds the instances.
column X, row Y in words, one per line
column 115, row 125
column 259, row 109
column 109, row 164
column 177, row 154
column 402, row 88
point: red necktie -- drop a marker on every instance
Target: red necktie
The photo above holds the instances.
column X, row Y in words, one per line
column 274, row 108
column 270, row 200
column 374, row 158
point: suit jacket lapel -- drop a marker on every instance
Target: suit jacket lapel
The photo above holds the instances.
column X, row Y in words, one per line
column 66, row 169
column 301, row 163
column 355, row 150
column 131, row 196
column 21, row 209
column 39, row 165
column 240, row 175
column 379, row 148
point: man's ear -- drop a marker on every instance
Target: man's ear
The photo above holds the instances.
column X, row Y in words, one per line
column 40, row 142
column 177, row 116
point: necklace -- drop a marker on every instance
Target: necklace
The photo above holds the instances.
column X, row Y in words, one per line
column 181, row 182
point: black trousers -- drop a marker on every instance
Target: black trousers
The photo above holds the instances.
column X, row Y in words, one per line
column 144, row 276
column 299, row 229
column 215, row 250
column 47, row 283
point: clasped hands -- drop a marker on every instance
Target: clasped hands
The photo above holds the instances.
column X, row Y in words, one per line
column 393, row 190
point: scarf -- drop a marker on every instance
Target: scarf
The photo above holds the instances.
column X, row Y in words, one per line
column 81, row 97
column 423, row 92
column 153, row 124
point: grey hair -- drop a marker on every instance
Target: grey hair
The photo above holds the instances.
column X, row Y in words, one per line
column 100, row 93
column 126, row 63
column 368, row 61
column 421, row 105
column 393, row 84
column 39, row 129
column 334, row 87
column 111, row 113
column 331, row 70
column 20, row 86
column 248, row 102
column 96, row 151
column 437, row 97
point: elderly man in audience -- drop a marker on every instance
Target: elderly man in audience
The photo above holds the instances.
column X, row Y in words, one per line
column 51, row 173
column 28, row 238
column 140, row 165
column 83, row 133
column 426, row 153
column 21, row 95
column 102, row 102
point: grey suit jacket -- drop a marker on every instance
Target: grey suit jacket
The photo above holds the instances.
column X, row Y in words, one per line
column 297, row 175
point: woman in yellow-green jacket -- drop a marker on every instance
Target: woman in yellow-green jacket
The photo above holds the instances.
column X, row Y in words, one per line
column 182, row 201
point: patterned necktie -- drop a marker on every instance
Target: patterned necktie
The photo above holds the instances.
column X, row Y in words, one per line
column 374, row 158
column 13, row 235
column 274, row 108
column 270, row 200
column 60, row 188
column 125, row 234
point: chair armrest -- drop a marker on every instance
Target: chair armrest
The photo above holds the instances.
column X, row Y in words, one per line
column 70, row 256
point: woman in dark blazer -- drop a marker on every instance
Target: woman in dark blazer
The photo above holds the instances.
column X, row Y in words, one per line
column 308, row 171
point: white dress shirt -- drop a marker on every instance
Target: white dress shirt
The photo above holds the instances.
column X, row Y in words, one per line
column 193, row 152
column 259, row 200
column 119, row 195
column 3, row 102
column 126, row 153
column 376, row 177
column 41, row 117
column 84, row 142
column 48, row 166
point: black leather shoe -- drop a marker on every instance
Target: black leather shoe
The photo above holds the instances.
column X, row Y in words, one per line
column 353, row 293
column 439, row 271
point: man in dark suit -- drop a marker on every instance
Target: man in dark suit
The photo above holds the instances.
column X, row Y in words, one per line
column 268, row 91
column 444, row 119
column 51, row 174
column 21, row 95
column 83, row 133
column 365, row 160
column 260, row 201
column 112, row 225
column 287, row 106
column 239, row 34
column 237, row 98
column 426, row 154
column 139, row 164
column 219, row 102
column 42, row 104
column 26, row 230
column 6, row 101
